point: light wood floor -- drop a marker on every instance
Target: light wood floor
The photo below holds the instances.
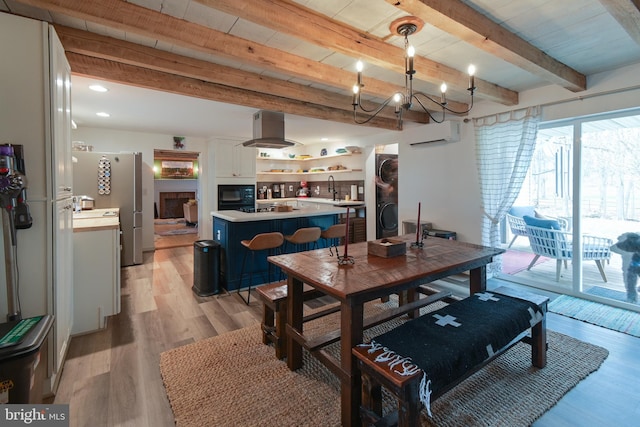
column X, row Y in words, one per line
column 112, row 378
column 173, row 241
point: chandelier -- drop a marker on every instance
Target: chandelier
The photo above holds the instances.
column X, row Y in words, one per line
column 404, row 101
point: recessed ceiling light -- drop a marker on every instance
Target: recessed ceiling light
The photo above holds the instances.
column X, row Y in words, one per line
column 98, row 88
column 324, row 139
column 103, row 114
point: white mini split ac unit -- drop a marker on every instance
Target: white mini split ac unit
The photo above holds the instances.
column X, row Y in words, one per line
column 447, row 131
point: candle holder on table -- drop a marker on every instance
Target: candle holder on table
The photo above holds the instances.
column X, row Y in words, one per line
column 346, row 259
column 418, row 244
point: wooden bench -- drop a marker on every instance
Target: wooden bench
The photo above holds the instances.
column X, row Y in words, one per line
column 396, row 351
column 274, row 300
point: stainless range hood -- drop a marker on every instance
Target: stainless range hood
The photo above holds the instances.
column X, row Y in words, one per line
column 268, row 131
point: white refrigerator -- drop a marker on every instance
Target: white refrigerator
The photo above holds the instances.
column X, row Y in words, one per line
column 114, row 180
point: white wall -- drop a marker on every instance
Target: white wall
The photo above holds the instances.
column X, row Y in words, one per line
column 110, row 140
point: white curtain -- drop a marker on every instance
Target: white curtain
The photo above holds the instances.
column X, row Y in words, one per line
column 504, row 148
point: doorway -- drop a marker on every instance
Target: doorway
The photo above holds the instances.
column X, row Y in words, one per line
column 176, row 207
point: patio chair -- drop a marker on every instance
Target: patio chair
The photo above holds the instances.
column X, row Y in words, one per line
column 517, row 224
column 515, row 221
column 548, row 239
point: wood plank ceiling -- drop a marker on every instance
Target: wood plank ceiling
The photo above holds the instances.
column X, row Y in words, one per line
column 217, row 49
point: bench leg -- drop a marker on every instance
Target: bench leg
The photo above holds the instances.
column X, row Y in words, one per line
column 409, row 406
column 267, row 323
column 371, row 394
column 281, row 338
column 539, row 344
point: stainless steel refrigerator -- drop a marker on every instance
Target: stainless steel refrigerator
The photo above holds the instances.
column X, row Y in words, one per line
column 114, row 180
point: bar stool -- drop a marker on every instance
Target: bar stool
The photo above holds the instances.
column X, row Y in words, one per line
column 260, row 242
column 304, row 236
column 331, row 234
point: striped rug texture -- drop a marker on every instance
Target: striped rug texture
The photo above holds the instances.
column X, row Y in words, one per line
column 618, row 319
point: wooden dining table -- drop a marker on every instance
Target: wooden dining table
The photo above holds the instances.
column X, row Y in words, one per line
column 368, row 278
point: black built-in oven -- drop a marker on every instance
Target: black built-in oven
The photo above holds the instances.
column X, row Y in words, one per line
column 236, row 196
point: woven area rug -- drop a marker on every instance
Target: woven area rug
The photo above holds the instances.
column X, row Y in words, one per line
column 615, row 318
column 234, row 379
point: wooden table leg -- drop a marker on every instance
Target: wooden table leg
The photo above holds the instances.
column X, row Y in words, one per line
column 478, row 280
column 351, row 325
column 412, row 295
column 294, row 319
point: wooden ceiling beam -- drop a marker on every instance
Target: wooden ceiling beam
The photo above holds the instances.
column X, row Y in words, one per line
column 98, row 46
column 150, row 79
column 291, row 18
column 627, row 13
column 128, row 17
column 462, row 21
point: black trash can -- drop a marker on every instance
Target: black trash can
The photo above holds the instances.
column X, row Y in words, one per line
column 22, row 370
column 206, row 268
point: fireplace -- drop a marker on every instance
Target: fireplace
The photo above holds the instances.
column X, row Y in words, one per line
column 171, row 203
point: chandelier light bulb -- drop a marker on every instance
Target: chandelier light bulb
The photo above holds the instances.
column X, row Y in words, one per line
column 411, row 52
column 443, row 97
column 443, row 88
column 396, row 98
column 359, row 66
column 472, row 72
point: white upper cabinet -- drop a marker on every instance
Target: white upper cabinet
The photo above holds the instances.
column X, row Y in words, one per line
column 233, row 160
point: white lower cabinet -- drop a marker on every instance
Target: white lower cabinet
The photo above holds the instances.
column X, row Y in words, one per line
column 96, row 278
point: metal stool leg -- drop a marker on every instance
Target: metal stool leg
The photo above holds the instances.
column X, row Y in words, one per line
column 244, row 258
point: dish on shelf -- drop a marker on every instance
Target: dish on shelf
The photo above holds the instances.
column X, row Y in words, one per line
column 303, row 156
column 341, row 151
column 353, row 149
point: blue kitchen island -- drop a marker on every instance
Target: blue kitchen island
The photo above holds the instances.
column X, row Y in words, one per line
column 231, row 227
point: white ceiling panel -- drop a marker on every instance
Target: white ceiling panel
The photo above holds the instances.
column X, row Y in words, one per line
column 579, row 33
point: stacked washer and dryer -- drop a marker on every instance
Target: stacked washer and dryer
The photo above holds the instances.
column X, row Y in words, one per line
column 386, row 195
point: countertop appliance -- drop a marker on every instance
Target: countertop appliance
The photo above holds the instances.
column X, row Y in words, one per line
column 236, row 196
column 114, row 180
column 276, row 191
column 303, row 190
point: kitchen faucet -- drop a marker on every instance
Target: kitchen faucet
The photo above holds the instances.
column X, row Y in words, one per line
column 332, row 188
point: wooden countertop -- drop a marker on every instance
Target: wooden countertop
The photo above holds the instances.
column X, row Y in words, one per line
column 96, row 219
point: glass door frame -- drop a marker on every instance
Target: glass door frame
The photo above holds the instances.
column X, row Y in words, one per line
column 576, row 286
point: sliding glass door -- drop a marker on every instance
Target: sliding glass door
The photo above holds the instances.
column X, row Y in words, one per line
column 585, row 175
